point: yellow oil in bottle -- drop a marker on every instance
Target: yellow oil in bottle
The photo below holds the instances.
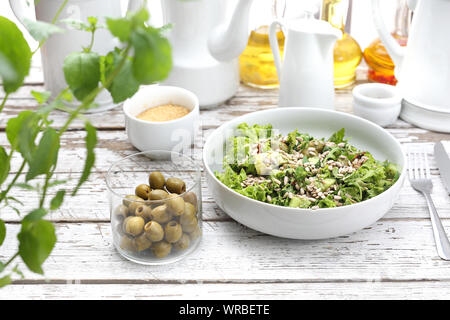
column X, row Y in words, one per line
column 347, row 52
column 256, row 63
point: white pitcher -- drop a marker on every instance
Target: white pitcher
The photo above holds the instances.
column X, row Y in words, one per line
column 58, row 46
column 306, row 74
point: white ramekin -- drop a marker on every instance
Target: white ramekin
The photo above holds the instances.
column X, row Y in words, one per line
column 174, row 135
column 377, row 102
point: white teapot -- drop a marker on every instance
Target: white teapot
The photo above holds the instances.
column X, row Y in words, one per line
column 206, row 46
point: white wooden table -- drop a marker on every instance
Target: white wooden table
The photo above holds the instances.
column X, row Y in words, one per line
column 394, row 258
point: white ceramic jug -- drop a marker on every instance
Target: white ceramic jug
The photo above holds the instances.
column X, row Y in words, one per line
column 206, row 46
column 58, row 46
column 306, row 74
column 423, row 66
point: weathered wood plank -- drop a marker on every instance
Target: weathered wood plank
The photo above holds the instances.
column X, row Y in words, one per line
column 386, row 251
column 240, row 291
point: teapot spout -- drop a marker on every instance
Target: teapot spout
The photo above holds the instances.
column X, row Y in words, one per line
column 226, row 42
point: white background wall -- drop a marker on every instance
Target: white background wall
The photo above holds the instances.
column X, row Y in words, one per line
column 362, row 27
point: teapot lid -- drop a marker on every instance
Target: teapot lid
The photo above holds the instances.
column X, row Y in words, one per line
column 312, row 26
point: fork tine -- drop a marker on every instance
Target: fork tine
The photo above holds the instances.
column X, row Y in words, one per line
column 427, row 167
column 419, row 165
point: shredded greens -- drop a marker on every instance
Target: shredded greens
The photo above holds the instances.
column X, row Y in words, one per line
column 298, row 170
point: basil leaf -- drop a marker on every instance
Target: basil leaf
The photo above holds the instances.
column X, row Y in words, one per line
column 36, row 241
column 40, row 30
column 57, row 200
column 4, row 165
column 2, row 232
column 152, row 55
column 22, row 131
column 41, row 97
column 15, row 56
column 124, row 84
column 91, row 142
column 119, row 28
column 45, row 155
column 35, row 215
column 82, row 73
column 4, row 281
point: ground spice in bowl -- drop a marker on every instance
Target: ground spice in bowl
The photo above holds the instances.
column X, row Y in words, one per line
column 165, row 112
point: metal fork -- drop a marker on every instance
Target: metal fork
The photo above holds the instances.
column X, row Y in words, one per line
column 420, row 178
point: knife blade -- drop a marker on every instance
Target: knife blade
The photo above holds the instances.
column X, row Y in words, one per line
column 443, row 163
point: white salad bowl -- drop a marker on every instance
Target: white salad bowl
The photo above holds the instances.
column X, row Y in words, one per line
column 299, row 223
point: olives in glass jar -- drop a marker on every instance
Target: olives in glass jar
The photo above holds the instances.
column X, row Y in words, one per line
column 173, row 232
column 143, row 191
column 158, row 194
column 175, row 185
column 144, row 212
column 176, row 205
column 160, row 214
column 161, row 249
column 183, row 243
column 121, row 212
column 134, row 226
column 191, row 198
column 154, row 231
column 156, row 180
column 142, row 243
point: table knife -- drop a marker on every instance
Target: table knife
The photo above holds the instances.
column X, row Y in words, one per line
column 443, row 163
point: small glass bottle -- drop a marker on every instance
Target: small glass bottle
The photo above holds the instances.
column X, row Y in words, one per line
column 347, row 52
column 381, row 67
column 256, row 63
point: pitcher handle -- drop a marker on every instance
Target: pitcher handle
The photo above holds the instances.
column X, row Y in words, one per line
column 273, row 39
column 393, row 48
column 18, row 10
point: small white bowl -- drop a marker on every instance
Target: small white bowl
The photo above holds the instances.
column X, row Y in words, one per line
column 171, row 135
column 377, row 102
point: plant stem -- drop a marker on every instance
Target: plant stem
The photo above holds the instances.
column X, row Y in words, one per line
column 60, row 9
column 92, row 40
column 11, row 259
column 5, row 193
column 4, row 102
column 44, row 191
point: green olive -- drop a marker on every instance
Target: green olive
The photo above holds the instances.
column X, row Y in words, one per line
column 173, row 232
column 190, row 226
column 153, row 231
column 134, row 226
column 161, row 249
column 121, row 211
column 189, row 214
column 130, row 199
column 191, row 197
column 128, row 243
column 196, row 233
column 132, row 208
column 183, row 243
column 143, row 191
column 161, row 214
column 156, row 180
column 142, row 243
column 176, row 205
column 175, row 185
column 124, row 223
column 158, row 194
column 144, row 211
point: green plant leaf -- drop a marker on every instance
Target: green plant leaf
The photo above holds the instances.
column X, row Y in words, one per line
column 21, row 132
column 82, row 73
column 4, row 165
column 76, row 24
column 15, row 55
column 91, row 142
column 35, row 215
column 152, row 55
column 120, row 28
column 124, row 84
column 4, row 281
column 41, row 97
column 2, row 232
column 57, row 200
column 45, row 155
column 36, row 241
column 40, row 30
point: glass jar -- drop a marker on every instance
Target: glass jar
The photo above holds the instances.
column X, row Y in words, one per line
column 256, row 63
column 381, row 67
column 347, row 52
column 155, row 206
